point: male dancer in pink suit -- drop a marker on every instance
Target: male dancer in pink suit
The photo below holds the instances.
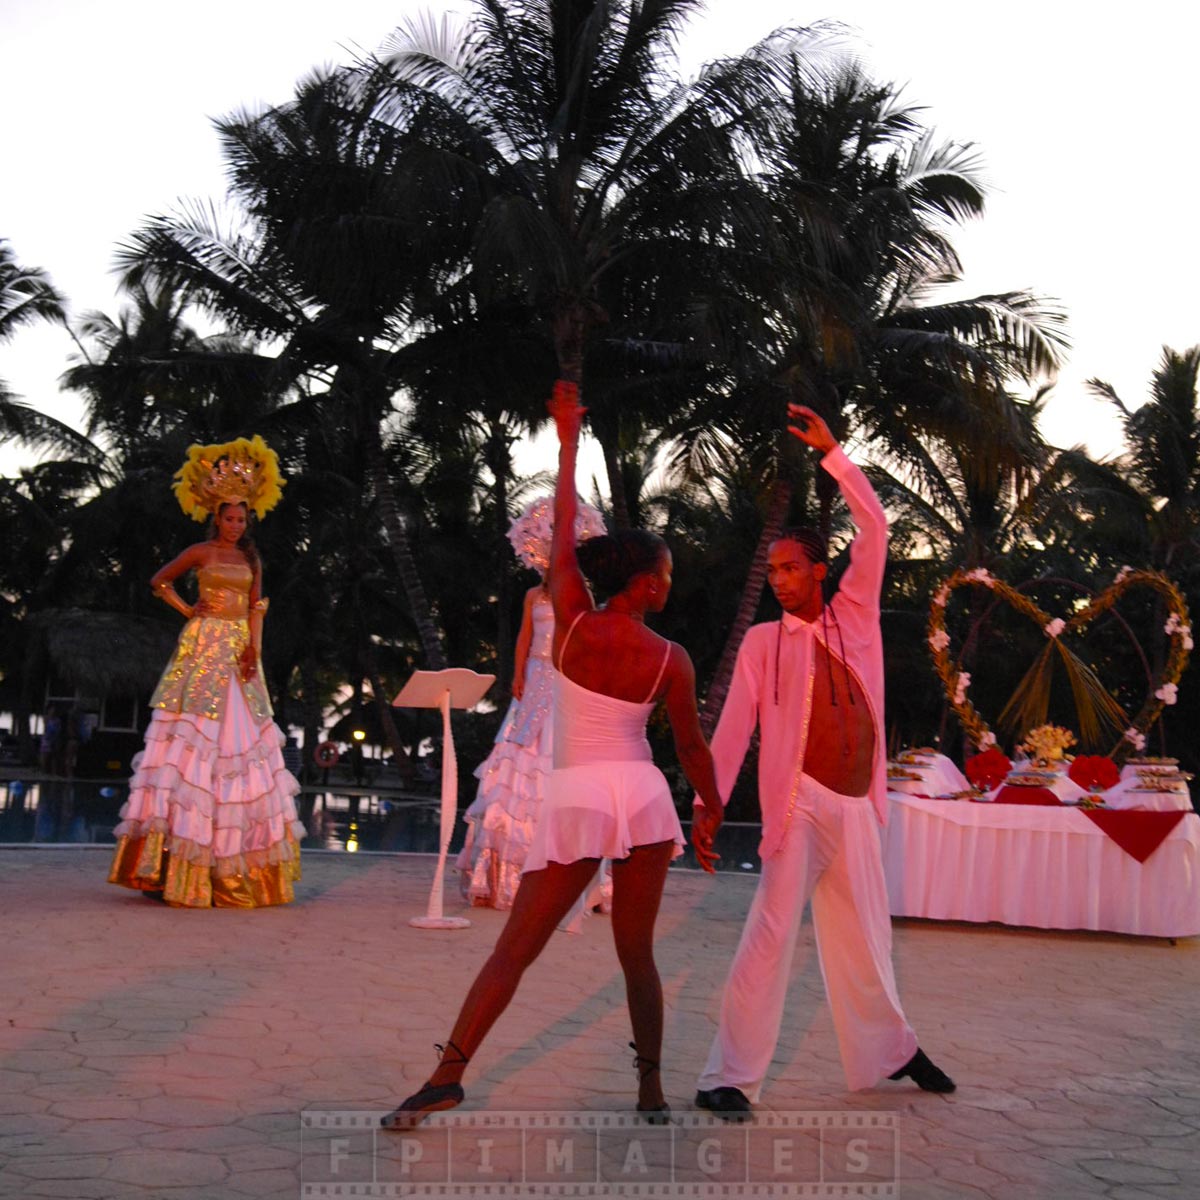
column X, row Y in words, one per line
column 813, row 683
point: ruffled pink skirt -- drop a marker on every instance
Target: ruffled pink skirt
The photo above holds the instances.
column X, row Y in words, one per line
column 211, row 819
column 512, row 785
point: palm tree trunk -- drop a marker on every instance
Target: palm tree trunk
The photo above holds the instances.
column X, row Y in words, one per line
column 616, row 487
column 311, row 732
column 406, row 565
column 384, row 710
column 572, row 321
column 718, row 688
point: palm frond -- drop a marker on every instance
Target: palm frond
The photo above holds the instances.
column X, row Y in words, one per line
column 1029, row 703
column 22, row 423
column 1098, row 713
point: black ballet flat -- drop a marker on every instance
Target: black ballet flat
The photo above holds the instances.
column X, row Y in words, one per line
column 655, row 1114
column 430, row 1098
column 419, row 1105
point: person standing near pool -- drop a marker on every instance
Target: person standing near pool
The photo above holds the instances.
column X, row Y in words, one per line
column 812, row 682
column 210, row 821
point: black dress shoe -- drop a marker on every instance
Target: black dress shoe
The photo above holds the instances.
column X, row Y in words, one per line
column 728, row 1103
column 924, row 1074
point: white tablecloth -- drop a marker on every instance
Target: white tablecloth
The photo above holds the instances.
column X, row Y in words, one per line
column 938, row 776
column 1047, row 867
column 1130, row 794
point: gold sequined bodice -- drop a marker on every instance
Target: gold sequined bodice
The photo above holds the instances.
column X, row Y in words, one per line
column 225, row 590
column 207, row 658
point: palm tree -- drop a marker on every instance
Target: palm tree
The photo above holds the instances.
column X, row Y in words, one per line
column 151, row 386
column 27, row 296
column 328, row 265
column 971, row 493
column 476, row 382
column 1162, row 459
column 602, row 194
column 865, row 199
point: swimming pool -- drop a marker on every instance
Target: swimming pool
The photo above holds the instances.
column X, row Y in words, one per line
column 81, row 811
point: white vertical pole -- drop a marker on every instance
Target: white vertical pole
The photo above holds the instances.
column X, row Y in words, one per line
column 434, row 918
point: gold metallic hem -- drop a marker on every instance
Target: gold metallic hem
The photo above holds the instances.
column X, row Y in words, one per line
column 144, row 864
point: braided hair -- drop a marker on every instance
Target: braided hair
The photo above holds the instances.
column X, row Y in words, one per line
column 809, row 540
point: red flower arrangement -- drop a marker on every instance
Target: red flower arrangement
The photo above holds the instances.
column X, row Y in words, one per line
column 1096, row 772
column 989, row 769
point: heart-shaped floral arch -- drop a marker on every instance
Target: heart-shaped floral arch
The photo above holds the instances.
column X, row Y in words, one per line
column 1163, row 692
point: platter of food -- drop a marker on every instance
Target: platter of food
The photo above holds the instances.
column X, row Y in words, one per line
column 1030, row 779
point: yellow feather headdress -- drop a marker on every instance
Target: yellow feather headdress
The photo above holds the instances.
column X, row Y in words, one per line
column 243, row 471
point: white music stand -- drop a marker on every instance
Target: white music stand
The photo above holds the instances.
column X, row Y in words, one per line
column 456, row 687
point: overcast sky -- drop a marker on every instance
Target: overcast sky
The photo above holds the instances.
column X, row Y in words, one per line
column 1087, row 125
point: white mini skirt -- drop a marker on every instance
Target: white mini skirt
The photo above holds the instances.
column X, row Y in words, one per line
column 603, row 810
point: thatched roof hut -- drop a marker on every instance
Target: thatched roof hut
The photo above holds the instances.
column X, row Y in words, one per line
column 101, row 653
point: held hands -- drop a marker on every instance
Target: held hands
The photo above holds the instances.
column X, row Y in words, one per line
column 705, row 823
column 566, row 411
column 810, row 428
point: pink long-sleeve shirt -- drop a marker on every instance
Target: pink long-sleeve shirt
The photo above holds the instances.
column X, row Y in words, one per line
column 783, row 726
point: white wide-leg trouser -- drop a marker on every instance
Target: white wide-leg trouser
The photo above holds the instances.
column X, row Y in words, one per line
column 830, row 852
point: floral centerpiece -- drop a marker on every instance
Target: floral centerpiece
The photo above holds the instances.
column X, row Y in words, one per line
column 1047, row 744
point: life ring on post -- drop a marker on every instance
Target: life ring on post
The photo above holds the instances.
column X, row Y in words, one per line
column 326, row 756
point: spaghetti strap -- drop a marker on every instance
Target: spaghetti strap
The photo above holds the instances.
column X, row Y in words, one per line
column 658, row 678
column 563, row 647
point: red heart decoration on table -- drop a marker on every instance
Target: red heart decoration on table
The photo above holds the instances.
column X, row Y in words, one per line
column 1161, row 691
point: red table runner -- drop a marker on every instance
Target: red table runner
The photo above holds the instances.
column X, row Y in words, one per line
column 1027, row 795
column 1137, row 833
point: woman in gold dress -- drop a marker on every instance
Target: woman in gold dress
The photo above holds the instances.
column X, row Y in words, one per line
column 210, row 820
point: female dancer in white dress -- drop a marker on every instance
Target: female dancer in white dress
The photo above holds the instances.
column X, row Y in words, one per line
column 512, row 778
column 605, row 797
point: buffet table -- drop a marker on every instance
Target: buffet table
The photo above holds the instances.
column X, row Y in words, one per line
column 1051, row 867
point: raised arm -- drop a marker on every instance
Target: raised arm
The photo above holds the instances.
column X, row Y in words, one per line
column 863, row 578
column 693, row 753
column 568, row 589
